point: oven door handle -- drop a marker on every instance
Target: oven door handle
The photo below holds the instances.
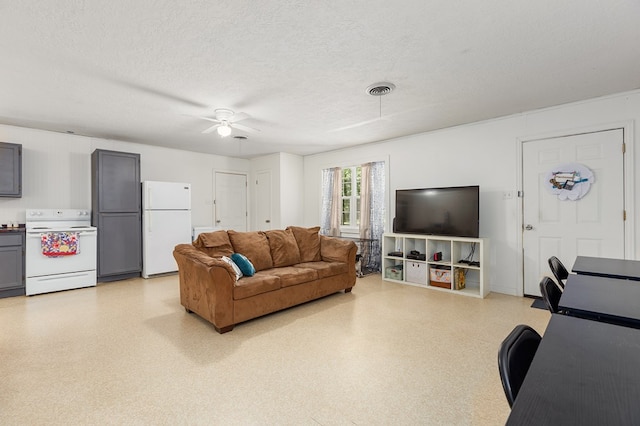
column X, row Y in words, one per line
column 38, row 234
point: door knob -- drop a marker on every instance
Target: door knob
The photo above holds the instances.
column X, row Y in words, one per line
column 217, row 221
column 267, row 221
column 528, row 227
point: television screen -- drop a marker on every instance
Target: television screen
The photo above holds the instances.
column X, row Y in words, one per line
column 453, row 211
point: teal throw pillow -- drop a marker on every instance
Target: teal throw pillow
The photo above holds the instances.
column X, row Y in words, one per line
column 244, row 264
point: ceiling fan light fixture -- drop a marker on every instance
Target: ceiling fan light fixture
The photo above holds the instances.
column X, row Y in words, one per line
column 224, row 130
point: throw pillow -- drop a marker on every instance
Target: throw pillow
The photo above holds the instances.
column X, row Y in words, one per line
column 308, row 241
column 284, row 248
column 255, row 246
column 235, row 267
column 244, row 264
column 214, row 244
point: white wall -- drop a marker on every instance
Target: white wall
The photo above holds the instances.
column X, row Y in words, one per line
column 56, row 171
column 291, row 189
column 487, row 154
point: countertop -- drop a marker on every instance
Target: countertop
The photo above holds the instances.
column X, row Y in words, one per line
column 12, row 230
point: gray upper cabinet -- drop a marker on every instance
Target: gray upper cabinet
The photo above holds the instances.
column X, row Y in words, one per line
column 116, row 212
column 10, row 170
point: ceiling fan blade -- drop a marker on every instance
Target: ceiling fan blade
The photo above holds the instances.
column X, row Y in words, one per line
column 211, row 129
column 238, row 116
column 245, row 128
column 209, row 119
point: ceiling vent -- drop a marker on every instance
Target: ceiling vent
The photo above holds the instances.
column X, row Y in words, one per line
column 380, row 89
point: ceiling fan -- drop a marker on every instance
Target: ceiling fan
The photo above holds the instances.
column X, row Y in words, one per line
column 226, row 120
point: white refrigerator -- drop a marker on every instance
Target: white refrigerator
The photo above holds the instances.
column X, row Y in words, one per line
column 166, row 222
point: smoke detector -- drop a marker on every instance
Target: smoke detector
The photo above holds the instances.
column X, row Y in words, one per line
column 380, row 89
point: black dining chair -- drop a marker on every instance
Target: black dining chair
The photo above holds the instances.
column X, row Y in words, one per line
column 514, row 358
column 558, row 270
column 551, row 294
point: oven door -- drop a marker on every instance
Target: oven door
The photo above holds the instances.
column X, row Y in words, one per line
column 38, row 264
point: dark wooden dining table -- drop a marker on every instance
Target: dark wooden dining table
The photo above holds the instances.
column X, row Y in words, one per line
column 603, row 299
column 607, row 267
column 583, row 373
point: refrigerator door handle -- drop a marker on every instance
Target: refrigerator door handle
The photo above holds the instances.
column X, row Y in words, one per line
column 149, row 228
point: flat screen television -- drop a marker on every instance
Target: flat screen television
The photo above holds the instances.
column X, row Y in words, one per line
column 453, row 211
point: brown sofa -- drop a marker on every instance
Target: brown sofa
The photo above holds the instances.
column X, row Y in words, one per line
column 292, row 266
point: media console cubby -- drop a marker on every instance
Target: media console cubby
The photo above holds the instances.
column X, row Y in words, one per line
column 463, row 261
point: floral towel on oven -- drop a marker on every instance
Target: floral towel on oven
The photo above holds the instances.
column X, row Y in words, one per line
column 56, row 244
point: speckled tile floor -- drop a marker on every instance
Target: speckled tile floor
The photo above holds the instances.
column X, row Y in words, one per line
column 127, row 353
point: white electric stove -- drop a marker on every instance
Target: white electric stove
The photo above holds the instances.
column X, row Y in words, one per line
column 49, row 270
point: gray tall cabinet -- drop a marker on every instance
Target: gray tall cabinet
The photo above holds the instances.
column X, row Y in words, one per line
column 116, row 211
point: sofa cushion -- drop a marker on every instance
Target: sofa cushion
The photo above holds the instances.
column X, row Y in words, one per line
column 293, row 275
column 255, row 246
column 245, row 266
column 214, row 244
column 260, row 283
column 308, row 241
column 325, row 269
column 284, row 248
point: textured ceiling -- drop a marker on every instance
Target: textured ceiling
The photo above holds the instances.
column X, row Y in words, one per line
column 141, row 70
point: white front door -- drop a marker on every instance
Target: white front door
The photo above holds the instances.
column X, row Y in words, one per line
column 263, row 196
column 590, row 226
column 230, row 200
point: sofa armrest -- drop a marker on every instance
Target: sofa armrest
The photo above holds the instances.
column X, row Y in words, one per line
column 206, row 285
column 337, row 250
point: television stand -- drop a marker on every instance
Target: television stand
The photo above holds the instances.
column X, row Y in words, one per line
column 460, row 265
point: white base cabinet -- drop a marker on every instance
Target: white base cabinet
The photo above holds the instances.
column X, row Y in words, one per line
column 453, row 264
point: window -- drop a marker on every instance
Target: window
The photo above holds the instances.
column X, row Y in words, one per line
column 351, row 185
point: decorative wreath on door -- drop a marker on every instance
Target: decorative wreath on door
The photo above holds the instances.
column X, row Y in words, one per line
column 569, row 181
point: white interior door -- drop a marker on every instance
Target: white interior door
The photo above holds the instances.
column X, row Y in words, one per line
column 263, row 200
column 590, row 226
column 230, row 200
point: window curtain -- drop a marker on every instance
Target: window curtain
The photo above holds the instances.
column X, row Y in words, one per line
column 336, row 202
column 330, row 220
column 372, row 212
column 365, row 201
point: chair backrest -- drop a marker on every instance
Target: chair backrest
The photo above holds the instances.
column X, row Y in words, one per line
column 558, row 270
column 551, row 294
column 514, row 358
